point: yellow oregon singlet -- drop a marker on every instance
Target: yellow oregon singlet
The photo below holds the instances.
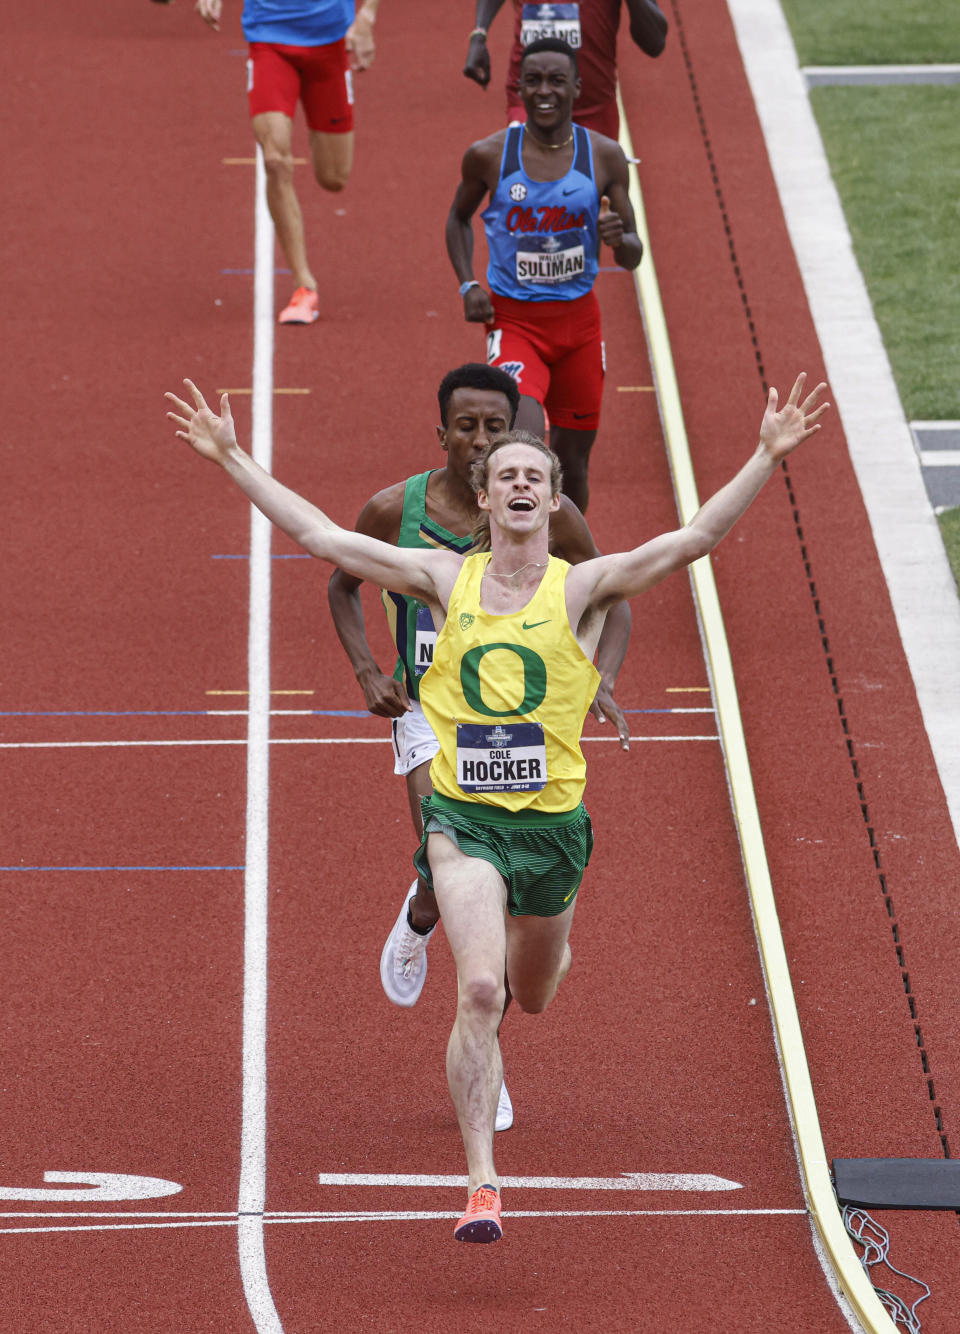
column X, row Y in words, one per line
column 507, row 696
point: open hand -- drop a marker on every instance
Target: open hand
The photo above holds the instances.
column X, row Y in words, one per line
column 782, row 431
column 211, row 436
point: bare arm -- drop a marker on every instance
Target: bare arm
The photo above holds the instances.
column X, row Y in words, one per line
column 574, row 542
column 477, row 67
column 648, row 26
column 622, row 576
column 473, row 187
column 419, row 574
column 616, row 224
column 383, row 695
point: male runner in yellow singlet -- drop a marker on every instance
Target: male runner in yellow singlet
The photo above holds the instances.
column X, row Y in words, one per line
column 506, row 836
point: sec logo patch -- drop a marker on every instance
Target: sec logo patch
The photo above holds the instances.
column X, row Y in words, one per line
column 518, row 191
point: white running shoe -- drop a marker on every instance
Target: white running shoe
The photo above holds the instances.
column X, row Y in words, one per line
column 403, row 963
column 504, row 1110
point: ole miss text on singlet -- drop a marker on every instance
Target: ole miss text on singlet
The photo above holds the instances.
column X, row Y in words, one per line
column 542, row 235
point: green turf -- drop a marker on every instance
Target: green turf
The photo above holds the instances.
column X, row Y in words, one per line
column 875, row 32
column 895, row 156
column 950, row 528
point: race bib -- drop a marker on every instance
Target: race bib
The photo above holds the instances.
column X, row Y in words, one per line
column 425, row 642
column 501, row 759
column 561, row 21
column 553, row 258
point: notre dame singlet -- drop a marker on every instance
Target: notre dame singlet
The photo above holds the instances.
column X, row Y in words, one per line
column 507, row 696
column 410, row 622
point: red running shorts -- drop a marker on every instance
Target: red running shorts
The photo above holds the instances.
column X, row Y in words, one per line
column 554, row 351
column 318, row 76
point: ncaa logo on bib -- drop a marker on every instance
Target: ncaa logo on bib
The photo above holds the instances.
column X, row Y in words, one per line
column 518, row 191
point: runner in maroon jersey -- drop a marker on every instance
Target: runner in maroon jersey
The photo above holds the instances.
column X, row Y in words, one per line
column 590, row 27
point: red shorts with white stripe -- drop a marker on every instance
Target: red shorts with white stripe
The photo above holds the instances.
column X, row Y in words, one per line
column 554, row 351
column 318, row 76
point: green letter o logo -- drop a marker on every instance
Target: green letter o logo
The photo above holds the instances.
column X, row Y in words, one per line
column 534, row 679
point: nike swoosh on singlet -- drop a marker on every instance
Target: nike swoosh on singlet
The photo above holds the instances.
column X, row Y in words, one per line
column 533, row 624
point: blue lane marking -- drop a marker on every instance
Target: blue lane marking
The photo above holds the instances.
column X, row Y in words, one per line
column 122, row 868
column 213, row 713
column 705, row 710
column 104, row 713
column 208, row 713
column 165, row 713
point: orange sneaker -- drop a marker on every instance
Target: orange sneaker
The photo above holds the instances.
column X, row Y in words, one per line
column 303, row 308
column 481, row 1222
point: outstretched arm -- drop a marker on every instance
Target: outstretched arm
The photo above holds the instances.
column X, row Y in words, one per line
column 417, row 573
column 631, row 572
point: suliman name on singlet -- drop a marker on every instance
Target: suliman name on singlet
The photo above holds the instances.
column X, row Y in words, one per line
column 549, row 266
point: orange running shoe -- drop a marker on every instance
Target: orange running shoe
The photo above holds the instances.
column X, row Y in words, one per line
column 303, row 308
column 481, row 1222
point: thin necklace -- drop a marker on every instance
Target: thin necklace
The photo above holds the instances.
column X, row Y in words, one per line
column 531, row 564
column 543, row 144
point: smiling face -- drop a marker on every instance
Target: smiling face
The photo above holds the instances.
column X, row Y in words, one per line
column 519, row 492
column 475, row 418
column 548, row 89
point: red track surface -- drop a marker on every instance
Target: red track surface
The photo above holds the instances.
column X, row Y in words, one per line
column 123, row 987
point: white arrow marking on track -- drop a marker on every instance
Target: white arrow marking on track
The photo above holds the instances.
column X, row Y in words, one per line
column 93, row 1186
column 626, row 1181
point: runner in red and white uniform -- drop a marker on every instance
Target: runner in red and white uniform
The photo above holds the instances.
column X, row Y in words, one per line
column 556, row 192
column 307, row 51
column 590, row 27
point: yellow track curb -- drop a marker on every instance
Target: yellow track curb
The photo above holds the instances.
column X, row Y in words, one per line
column 814, row 1169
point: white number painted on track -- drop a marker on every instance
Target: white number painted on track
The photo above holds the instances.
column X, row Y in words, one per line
column 97, row 1186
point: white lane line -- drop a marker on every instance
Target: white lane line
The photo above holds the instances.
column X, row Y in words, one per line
column 253, row 1133
column 410, row 1216
column 940, row 458
column 820, row 76
column 905, row 530
column 626, row 1181
column 285, row 741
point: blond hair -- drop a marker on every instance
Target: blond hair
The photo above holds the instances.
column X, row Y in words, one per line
column 480, row 477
